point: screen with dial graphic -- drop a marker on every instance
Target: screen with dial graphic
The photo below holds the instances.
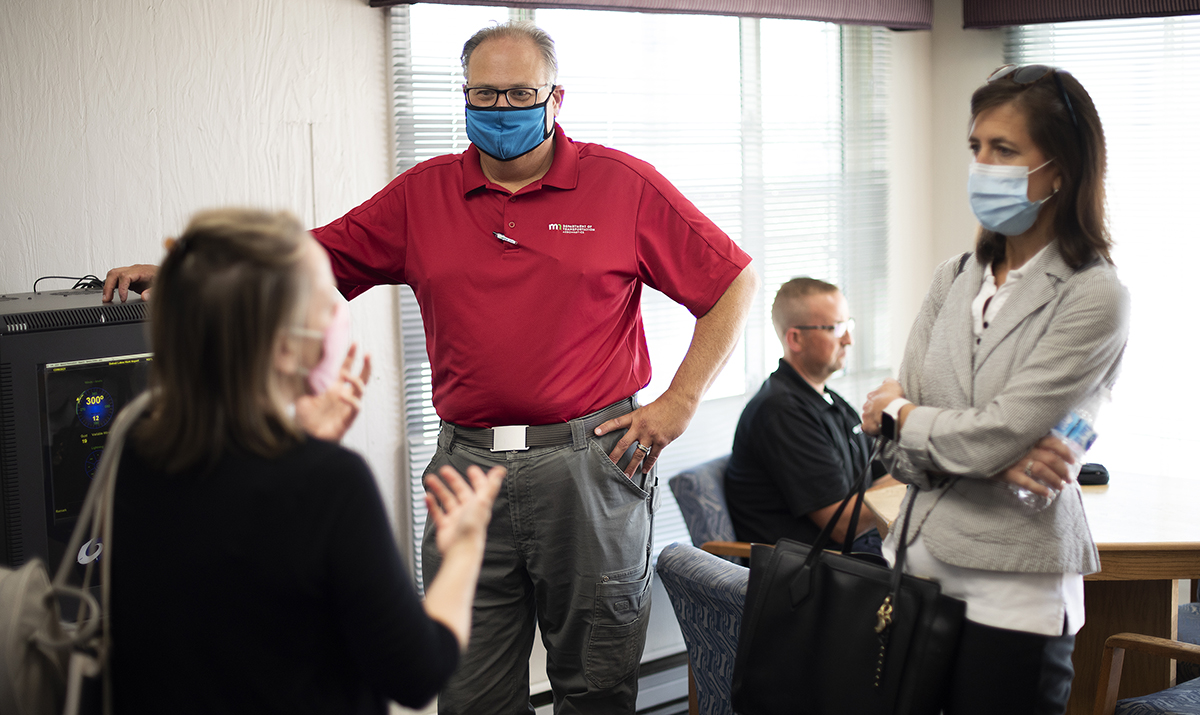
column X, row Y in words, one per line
column 80, row 400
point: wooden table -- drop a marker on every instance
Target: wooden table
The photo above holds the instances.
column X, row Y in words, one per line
column 1148, row 534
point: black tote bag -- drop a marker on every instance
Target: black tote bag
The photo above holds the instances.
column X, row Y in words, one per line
column 829, row 633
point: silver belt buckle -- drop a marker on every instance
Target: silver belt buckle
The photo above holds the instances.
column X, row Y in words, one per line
column 509, row 438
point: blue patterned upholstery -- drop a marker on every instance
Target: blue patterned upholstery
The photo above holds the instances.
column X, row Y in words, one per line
column 700, row 492
column 708, row 594
column 1184, row 698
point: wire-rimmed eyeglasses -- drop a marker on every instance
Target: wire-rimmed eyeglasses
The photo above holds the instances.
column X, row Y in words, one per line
column 839, row 329
column 484, row 97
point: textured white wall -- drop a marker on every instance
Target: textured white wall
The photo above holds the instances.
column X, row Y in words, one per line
column 120, row 118
column 929, row 218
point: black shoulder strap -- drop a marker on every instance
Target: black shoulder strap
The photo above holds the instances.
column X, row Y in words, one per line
column 962, row 263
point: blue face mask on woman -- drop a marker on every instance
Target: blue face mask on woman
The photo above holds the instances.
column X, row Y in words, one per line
column 506, row 133
column 1000, row 197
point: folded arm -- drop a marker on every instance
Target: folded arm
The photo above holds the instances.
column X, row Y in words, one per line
column 1079, row 352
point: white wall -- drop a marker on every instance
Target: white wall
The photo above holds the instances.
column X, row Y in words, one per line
column 933, row 76
column 120, row 118
column 962, row 60
column 910, row 197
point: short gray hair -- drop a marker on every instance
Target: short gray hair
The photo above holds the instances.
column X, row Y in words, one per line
column 516, row 29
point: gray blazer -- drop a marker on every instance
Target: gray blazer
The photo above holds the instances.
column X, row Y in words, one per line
column 1055, row 341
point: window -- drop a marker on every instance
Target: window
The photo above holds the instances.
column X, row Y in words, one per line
column 773, row 128
column 1140, row 73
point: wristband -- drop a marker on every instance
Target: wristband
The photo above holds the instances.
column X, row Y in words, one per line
column 889, row 420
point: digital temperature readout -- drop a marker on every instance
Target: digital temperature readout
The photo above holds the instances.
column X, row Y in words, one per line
column 95, row 408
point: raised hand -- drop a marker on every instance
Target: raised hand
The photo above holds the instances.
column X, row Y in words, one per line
column 461, row 508
column 328, row 416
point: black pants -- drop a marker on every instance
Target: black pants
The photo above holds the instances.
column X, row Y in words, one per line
column 868, row 542
column 1004, row 672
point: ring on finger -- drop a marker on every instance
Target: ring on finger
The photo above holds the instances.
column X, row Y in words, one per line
column 1029, row 469
column 644, row 448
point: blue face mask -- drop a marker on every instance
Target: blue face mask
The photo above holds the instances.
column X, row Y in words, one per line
column 1000, row 197
column 506, row 133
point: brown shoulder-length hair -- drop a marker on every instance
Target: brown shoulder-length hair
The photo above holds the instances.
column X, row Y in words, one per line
column 1078, row 152
column 228, row 288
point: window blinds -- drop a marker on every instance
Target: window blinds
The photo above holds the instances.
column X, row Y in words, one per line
column 1141, row 75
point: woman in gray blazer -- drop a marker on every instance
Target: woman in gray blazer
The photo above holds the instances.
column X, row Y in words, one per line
column 1008, row 341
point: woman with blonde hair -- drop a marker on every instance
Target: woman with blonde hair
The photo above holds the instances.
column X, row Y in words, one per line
column 254, row 569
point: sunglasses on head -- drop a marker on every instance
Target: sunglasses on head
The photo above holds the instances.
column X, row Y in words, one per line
column 1028, row 74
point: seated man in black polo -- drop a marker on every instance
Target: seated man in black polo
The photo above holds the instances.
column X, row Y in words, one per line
column 799, row 447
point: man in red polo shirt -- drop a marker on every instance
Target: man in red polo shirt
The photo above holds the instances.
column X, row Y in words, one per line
column 527, row 254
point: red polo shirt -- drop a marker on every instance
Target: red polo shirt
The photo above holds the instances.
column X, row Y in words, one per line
column 549, row 328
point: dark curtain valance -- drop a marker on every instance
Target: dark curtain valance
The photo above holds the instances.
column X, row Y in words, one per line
column 896, row 14
column 1004, row 13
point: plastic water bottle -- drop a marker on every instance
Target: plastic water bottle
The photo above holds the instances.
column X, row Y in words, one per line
column 1077, row 430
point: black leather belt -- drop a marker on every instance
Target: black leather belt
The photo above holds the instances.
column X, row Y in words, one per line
column 499, row 439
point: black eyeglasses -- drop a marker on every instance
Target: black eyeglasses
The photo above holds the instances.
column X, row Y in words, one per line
column 484, row 97
column 839, row 329
column 1028, row 74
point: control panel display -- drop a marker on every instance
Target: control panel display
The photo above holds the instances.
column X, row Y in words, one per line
column 80, row 400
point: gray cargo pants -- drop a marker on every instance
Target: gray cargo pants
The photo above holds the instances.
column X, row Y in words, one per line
column 568, row 544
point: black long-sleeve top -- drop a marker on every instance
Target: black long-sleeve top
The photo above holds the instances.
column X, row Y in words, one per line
column 265, row 585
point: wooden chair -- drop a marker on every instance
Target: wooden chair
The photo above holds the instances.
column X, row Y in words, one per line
column 1183, row 699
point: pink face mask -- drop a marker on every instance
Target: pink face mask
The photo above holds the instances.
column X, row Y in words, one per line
column 335, row 343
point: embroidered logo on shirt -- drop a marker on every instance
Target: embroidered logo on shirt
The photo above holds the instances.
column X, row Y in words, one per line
column 571, row 227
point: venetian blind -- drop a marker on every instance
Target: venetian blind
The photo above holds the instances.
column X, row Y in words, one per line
column 774, row 128
column 1141, row 75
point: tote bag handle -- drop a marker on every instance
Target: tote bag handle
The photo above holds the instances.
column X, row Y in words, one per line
column 800, row 585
